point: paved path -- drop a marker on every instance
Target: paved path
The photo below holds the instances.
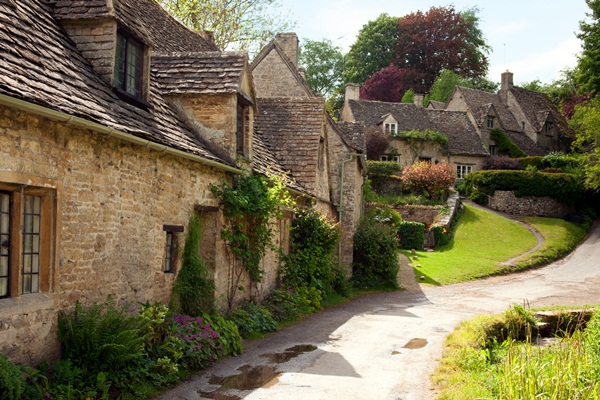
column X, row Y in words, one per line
column 385, row 346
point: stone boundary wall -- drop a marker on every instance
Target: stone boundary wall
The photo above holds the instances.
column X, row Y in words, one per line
column 507, row 202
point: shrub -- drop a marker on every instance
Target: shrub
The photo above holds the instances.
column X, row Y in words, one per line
column 535, row 161
column 375, row 258
column 518, row 323
column 12, row 382
column 387, row 216
column 411, row 235
column 504, row 145
column 229, row 339
column 560, row 161
column 383, row 168
column 566, row 188
column 441, row 235
column 290, row 304
column 377, row 142
column 501, row 162
column 434, row 180
column 251, row 317
column 199, row 340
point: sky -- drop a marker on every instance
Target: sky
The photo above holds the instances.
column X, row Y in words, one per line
column 533, row 39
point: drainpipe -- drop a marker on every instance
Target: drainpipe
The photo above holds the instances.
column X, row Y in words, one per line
column 340, row 208
column 85, row 124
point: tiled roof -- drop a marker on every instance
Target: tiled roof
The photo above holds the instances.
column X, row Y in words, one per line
column 536, row 107
column 436, row 105
column 462, row 136
column 479, row 103
column 199, row 73
column 292, row 128
column 146, row 19
column 355, row 133
column 41, row 65
column 525, row 143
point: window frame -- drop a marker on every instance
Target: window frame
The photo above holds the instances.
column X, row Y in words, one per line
column 493, row 149
column 242, row 130
column 490, row 121
column 462, row 170
column 391, row 128
column 549, row 128
column 121, row 64
column 171, row 248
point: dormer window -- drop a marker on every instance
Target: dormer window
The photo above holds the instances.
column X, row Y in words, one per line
column 523, row 126
column 490, row 121
column 390, row 127
column 549, row 128
column 242, row 126
column 129, row 69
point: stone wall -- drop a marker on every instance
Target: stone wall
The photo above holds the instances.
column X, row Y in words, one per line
column 112, row 200
column 507, row 202
column 284, row 85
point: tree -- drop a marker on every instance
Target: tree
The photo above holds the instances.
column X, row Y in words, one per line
column 377, row 142
column 324, row 65
column 236, row 24
column 389, row 84
column 373, row 49
column 441, row 39
column 589, row 61
column 433, row 180
column 586, row 124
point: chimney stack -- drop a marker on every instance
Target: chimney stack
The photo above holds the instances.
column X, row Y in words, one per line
column 352, row 91
column 289, row 43
column 507, row 80
column 418, row 99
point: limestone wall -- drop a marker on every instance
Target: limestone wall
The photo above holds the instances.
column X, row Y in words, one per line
column 507, row 202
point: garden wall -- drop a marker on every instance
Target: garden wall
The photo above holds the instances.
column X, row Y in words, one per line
column 507, row 202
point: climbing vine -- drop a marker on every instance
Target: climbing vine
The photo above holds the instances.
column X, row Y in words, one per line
column 418, row 140
column 249, row 206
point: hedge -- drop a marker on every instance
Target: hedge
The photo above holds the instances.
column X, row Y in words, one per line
column 565, row 188
column 384, row 168
column 504, row 145
column 412, row 235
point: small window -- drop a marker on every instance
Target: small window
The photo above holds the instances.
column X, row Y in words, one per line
column 31, row 244
column 549, row 128
column 129, row 63
column 5, row 219
column 425, row 159
column 523, row 125
column 391, row 128
column 493, row 150
column 490, row 121
column 463, row 170
column 384, row 158
column 171, row 247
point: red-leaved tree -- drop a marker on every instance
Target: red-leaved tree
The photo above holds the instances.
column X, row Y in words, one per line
column 433, row 180
column 390, row 84
column 377, row 142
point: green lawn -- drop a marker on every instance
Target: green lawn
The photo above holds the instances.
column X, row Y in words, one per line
column 482, row 240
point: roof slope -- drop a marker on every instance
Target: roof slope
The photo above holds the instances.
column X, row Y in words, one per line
column 41, row 65
column 461, row 134
column 537, row 106
column 479, row 103
column 292, row 128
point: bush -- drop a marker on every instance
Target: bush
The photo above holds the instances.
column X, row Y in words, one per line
column 565, row 188
column 387, row 216
column 411, row 235
column 535, row 161
column 518, row 323
column 434, row 180
column 504, row 145
column 229, row 339
column 501, row 162
column 383, row 168
column 198, row 339
column 441, row 235
column 375, row 258
column 12, row 382
column 251, row 317
column 290, row 304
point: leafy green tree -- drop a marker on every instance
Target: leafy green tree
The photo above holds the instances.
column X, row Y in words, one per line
column 324, row 65
column 586, row 124
column 589, row 61
column 444, row 85
column 236, row 24
column 409, row 96
column 373, row 50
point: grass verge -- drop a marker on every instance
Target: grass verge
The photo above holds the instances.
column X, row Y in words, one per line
column 481, row 241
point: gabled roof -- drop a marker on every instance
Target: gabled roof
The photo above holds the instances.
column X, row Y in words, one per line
column 146, row 19
column 292, row 128
column 199, row 73
column 436, row 105
column 355, row 133
column 537, row 107
column 41, row 65
column 462, row 136
column 479, row 103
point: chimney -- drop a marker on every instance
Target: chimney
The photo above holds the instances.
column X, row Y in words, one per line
column 507, row 80
column 352, row 91
column 418, row 99
column 289, row 44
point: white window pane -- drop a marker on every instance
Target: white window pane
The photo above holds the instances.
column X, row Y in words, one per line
column 27, row 264
column 26, row 283
column 35, row 264
column 36, row 224
column 27, row 243
column 37, row 204
column 3, row 287
column 35, row 283
column 4, row 202
column 3, row 266
column 36, row 244
column 4, row 223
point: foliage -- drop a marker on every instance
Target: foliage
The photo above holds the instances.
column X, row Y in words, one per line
column 324, row 64
column 560, row 160
column 377, row 142
column 440, row 39
column 385, row 85
column 235, row 24
column 589, row 60
column 249, row 208
column 193, row 291
column 411, row 235
column 504, row 145
column 434, row 180
column 534, row 161
column 375, row 255
column 408, row 97
column 565, row 188
column 229, row 339
column 383, row 168
column 12, row 382
column 290, row 304
column 441, row 235
column 387, row 216
column 251, row 317
column 501, row 162
column 199, row 341
column 586, row 123
column 312, row 258
column 373, row 50
column 445, row 83
column 418, row 140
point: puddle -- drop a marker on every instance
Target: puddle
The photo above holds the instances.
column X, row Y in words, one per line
column 289, row 353
column 416, row 343
column 395, row 352
column 250, row 378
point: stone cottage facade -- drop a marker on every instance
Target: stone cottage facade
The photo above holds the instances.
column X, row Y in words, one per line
column 323, row 158
column 115, row 120
column 464, row 152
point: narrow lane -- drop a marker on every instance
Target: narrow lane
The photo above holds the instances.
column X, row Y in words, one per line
column 385, row 346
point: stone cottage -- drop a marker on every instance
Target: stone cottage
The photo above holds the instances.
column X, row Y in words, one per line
column 323, row 158
column 464, row 150
column 115, row 120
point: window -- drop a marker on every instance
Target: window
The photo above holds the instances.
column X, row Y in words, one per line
column 425, row 159
column 25, row 233
column 129, row 70
column 463, row 170
column 490, row 121
column 389, row 157
column 171, row 247
column 493, row 149
column 523, row 125
column 390, row 128
column 242, row 130
column 549, row 128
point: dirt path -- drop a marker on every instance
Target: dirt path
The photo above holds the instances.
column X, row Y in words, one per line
column 385, row 346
